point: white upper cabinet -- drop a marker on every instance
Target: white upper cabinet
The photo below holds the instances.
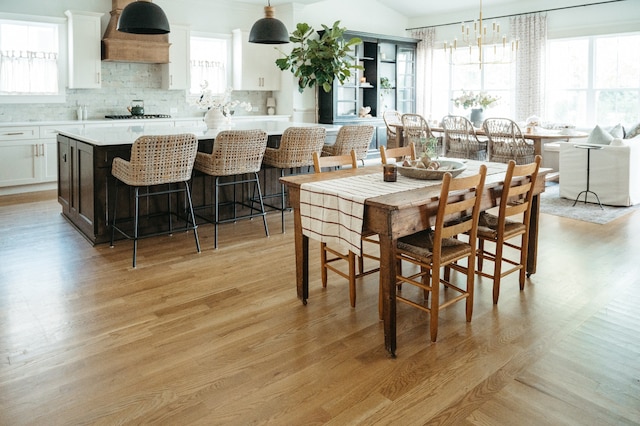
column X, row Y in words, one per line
column 254, row 65
column 175, row 74
column 84, row 49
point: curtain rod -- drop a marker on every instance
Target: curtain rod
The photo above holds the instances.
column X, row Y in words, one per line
column 520, row 14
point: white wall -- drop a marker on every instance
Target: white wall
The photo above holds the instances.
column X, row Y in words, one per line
column 608, row 18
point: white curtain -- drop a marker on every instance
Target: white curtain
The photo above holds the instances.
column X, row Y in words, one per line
column 531, row 31
column 213, row 72
column 28, row 72
column 424, row 69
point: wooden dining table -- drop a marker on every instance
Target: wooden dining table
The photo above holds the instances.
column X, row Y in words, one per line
column 536, row 136
column 392, row 216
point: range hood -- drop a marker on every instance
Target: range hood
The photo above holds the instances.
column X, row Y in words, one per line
column 125, row 47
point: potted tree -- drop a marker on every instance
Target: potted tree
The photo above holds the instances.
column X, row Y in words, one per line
column 317, row 62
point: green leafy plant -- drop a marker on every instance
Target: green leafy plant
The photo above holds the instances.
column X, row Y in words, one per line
column 318, row 62
column 385, row 84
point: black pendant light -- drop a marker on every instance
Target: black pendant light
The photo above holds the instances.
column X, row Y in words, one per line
column 143, row 17
column 269, row 30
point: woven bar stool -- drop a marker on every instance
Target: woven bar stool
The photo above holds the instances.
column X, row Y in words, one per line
column 236, row 153
column 156, row 160
column 349, row 138
column 296, row 149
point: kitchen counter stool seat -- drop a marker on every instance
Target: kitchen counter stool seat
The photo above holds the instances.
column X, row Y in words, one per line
column 351, row 137
column 156, row 163
column 296, row 149
column 237, row 154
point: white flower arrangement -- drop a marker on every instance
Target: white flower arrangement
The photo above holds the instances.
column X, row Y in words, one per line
column 470, row 100
column 220, row 101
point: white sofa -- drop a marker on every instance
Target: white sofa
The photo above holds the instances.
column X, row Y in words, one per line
column 614, row 172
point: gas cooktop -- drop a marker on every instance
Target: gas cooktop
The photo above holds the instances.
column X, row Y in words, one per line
column 137, row 117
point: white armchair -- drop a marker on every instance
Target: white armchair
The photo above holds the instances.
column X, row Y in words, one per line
column 614, row 172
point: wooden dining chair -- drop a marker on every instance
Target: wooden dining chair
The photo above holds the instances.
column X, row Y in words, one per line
column 330, row 255
column 387, row 154
column 513, row 220
column 439, row 247
column 506, row 142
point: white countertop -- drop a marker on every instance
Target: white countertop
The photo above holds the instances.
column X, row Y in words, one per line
column 122, row 135
column 119, row 122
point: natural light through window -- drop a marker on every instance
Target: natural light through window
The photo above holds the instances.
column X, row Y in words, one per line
column 209, row 62
column 29, row 58
column 594, row 80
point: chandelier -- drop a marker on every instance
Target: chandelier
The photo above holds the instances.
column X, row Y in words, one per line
column 485, row 45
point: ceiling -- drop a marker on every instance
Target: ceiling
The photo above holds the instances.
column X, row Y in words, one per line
column 434, row 12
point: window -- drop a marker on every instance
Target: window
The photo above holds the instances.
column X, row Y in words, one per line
column 594, row 80
column 30, row 61
column 210, row 58
column 450, row 80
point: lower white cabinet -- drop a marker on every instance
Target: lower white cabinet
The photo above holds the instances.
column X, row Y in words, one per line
column 24, row 162
column 28, row 155
column 25, row 158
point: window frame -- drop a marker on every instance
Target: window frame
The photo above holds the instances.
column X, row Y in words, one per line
column 590, row 91
column 192, row 97
column 61, row 96
column 506, row 94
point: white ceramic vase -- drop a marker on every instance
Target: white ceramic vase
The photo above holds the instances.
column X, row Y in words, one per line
column 214, row 119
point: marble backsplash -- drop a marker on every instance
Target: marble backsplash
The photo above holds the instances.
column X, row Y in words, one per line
column 121, row 83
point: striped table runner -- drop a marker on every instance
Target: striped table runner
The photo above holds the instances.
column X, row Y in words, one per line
column 332, row 211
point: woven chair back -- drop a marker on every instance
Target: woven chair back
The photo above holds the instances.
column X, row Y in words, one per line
column 357, row 138
column 506, row 141
column 297, row 146
column 234, row 152
column 415, row 129
column 390, row 117
column 461, row 140
column 158, row 159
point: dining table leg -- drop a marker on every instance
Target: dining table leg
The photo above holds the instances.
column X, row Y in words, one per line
column 387, row 277
column 534, row 222
column 301, row 246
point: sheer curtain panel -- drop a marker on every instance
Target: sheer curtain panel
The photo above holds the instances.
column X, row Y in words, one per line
column 531, row 31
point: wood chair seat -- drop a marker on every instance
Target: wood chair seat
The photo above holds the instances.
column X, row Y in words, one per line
column 512, row 221
column 438, row 247
column 327, row 262
column 237, row 153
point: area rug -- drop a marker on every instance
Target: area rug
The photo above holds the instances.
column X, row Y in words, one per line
column 551, row 203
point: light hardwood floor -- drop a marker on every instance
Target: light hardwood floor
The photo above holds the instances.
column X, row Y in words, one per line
column 220, row 337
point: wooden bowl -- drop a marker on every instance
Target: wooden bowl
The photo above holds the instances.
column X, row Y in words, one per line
column 446, row 166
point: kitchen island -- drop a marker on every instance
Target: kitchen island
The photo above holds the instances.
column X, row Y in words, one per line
column 86, row 186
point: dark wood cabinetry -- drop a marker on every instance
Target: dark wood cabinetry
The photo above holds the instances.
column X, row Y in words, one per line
column 83, row 184
column 86, row 187
column 384, row 59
